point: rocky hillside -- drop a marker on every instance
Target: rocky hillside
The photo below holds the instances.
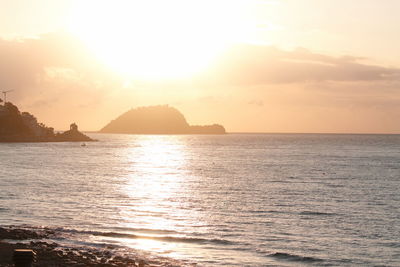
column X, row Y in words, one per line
column 24, row 127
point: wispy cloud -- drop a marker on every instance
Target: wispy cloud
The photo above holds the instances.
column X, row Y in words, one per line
column 250, row 65
column 60, row 59
column 52, row 64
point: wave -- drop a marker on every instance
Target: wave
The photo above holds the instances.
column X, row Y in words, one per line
column 177, row 239
column 391, row 244
column 293, row 257
column 147, row 230
column 167, row 238
column 265, row 211
column 316, row 213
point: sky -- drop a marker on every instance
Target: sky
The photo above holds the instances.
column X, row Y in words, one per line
column 296, row 66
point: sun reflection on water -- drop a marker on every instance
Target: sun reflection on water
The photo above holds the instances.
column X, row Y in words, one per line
column 155, row 183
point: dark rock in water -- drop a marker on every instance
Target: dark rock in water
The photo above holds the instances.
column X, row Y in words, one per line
column 24, row 127
column 157, row 120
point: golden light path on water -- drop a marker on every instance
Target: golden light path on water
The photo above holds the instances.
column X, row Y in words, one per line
column 156, row 177
column 163, row 210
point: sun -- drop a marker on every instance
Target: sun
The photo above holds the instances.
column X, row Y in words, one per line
column 158, row 38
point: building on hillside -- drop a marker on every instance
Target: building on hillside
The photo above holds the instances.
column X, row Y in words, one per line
column 73, row 127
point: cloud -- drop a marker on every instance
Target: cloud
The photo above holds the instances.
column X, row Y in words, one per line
column 59, row 61
column 253, row 65
column 60, row 81
column 53, row 65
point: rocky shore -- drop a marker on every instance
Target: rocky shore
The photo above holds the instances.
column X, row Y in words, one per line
column 51, row 254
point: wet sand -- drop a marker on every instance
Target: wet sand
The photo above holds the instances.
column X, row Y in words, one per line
column 52, row 254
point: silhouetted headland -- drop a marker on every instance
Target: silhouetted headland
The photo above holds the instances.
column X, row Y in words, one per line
column 24, row 127
column 157, row 120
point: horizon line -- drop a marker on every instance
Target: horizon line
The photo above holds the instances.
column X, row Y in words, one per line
column 322, row 133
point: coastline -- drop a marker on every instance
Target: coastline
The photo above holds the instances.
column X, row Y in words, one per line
column 16, row 126
column 49, row 253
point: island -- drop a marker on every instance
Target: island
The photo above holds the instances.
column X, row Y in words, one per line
column 16, row 126
column 161, row 119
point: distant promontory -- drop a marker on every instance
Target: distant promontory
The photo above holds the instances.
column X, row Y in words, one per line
column 24, row 127
column 157, row 120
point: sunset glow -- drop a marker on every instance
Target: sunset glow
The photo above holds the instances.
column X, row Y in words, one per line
column 160, row 39
column 199, row 133
column 249, row 65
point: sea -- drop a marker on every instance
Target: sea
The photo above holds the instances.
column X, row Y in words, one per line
column 213, row 200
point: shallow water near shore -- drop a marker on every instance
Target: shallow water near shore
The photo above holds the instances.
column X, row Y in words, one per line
column 229, row 200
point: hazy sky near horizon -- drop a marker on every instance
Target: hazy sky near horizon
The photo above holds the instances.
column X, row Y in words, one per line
column 251, row 65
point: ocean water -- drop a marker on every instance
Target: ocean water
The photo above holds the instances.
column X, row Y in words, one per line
column 230, row 200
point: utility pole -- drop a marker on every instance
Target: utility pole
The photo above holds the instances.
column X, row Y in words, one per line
column 5, row 96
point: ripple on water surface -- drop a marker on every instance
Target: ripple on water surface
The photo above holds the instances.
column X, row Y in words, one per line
column 231, row 200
